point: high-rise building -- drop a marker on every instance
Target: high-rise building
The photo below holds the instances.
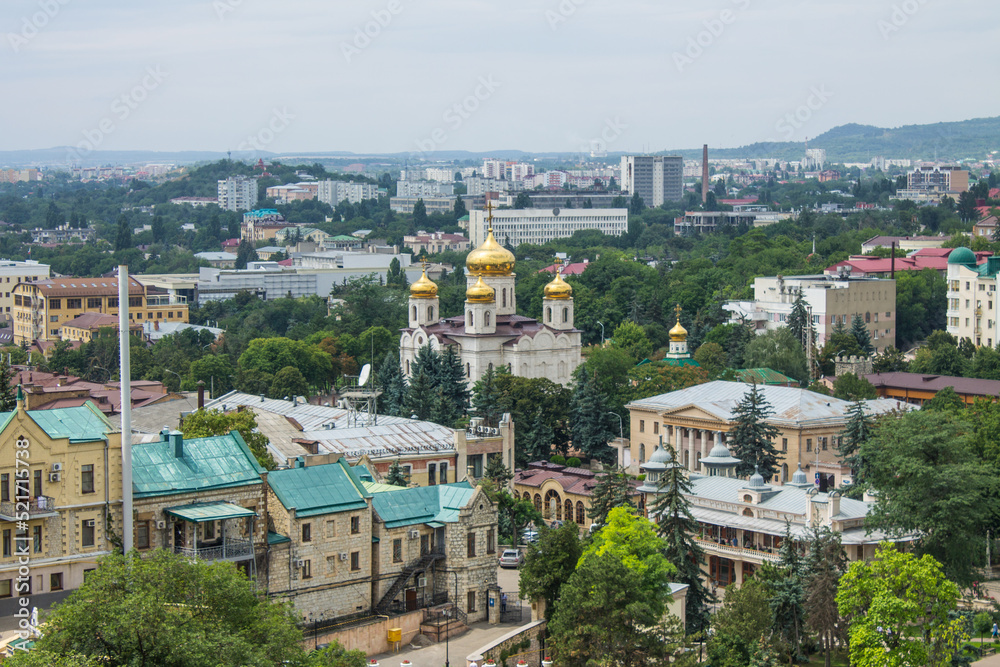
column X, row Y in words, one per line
column 238, row 193
column 334, row 192
column 656, row 178
column 513, row 227
column 424, row 189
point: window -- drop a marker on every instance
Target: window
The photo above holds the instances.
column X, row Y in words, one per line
column 656, row 427
column 17, row 299
column 470, row 602
column 307, row 569
column 209, row 531
column 784, row 444
column 87, row 478
column 355, row 561
column 93, row 302
column 5, row 487
column 38, row 483
column 142, row 535
column 135, row 302
column 431, row 473
column 470, row 545
column 823, row 443
column 74, row 303
column 138, row 316
column 159, row 315
column 809, row 444
column 331, row 528
column 444, row 473
column 36, row 539
column 55, row 581
column 642, row 426
column 355, row 525
column 491, row 547
column 54, row 318
column 397, row 550
column 307, row 532
column 6, row 544
column 87, row 532
column 6, row 590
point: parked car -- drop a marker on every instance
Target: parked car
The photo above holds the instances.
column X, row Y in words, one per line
column 511, row 558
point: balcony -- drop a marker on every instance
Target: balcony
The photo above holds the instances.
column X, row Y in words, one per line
column 37, row 508
column 166, row 300
column 754, row 555
column 229, row 549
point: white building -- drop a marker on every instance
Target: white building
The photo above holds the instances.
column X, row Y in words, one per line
column 433, row 204
column 832, row 299
column 477, row 185
column 424, row 189
column 12, row 273
column 439, row 174
column 490, row 333
column 657, row 179
column 506, row 170
column 514, row 227
column 973, row 307
column 334, row 192
column 237, row 193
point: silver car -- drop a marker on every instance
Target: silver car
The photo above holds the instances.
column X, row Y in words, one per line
column 511, row 558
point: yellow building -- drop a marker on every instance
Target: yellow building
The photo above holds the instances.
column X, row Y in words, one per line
column 561, row 493
column 60, row 500
column 42, row 307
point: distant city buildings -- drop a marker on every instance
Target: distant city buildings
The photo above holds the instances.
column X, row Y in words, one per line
column 20, row 175
column 262, row 225
column 657, row 179
column 433, row 204
column 334, row 192
column 424, row 189
column 930, row 183
column 284, row 194
column 706, row 222
column 973, row 306
column 435, row 242
column 12, row 273
column 512, row 227
column 196, row 202
column 237, row 193
column 507, row 171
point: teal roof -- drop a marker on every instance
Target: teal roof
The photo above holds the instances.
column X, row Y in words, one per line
column 217, row 462
column 320, row 489
column 962, row 256
column 342, row 237
column 80, row 424
column 424, row 504
column 765, row 376
column 681, row 362
column 202, row 512
column 275, row 538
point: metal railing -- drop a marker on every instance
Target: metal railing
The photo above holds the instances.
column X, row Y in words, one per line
column 40, row 505
column 743, row 552
column 230, row 549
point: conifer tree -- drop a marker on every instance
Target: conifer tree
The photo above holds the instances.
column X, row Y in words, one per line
column 428, row 361
column 8, row 397
column 536, row 440
column 451, row 377
column 825, row 564
column 752, row 439
column 497, row 471
column 677, row 526
column 396, row 475
column 611, row 491
column 486, row 398
column 799, row 321
column 444, row 411
column 421, row 398
column 592, row 427
column 393, row 386
column 860, row 333
column 788, row 596
column 857, row 431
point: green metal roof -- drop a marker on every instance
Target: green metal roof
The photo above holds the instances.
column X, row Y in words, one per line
column 425, row 504
column 765, row 376
column 217, row 462
column 376, row 487
column 680, row 362
column 320, row 489
column 342, row 237
column 80, row 424
column 275, row 538
column 201, row 512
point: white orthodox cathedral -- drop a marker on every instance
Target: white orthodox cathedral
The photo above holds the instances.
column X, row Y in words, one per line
column 491, row 333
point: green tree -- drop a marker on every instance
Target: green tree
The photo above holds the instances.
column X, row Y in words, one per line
column 850, row 387
column 798, row 321
column 752, row 439
column 288, row 383
column 270, row 355
column 890, row 361
column 779, row 350
column 421, row 397
column 636, row 206
column 205, row 423
column 591, row 418
column 393, row 385
column 245, row 253
column 712, row 358
column 460, row 210
column 861, row 335
column 497, row 471
column 215, row 371
column 677, row 526
column 397, row 475
column 420, row 215
column 632, row 339
column 138, row 611
column 744, row 619
column 395, row 276
column 123, row 239
column 159, row 229
column 929, row 483
column 337, row 655
column 898, row 606
column 8, row 398
column 486, row 396
column 41, row 658
column 825, row 564
column 856, row 433
column 611, row 491
column 522, row 200
column 549, row 563
column 945, row 400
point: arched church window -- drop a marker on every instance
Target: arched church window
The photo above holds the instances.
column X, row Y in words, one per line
column 565, row 315
column 748, row 512
column 548, row 315
column 503, row 297
column 487, row 320
column 472, row 320
column 414, row 312
column 430, row 312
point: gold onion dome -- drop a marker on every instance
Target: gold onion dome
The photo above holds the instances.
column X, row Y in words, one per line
column 558, row 288
column 678, row 334
column 490, row 259
column 480, row 293
column 424, row 288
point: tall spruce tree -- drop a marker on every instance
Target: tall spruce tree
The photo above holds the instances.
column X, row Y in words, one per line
column 451, row 377
column 799, row 321
column 497, row 471
column 752, row 439
column 393, row 386
column 611, row 491
column 592, row 427
column 421, row 398
column 534, row 443
column 857, row 431
column 486, row 398
column 677, row 526
column 825, row 564
column 787, row 601
column 860, row 333
column 396, row 475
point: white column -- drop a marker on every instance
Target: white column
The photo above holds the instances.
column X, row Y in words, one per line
column 704, row 444
column 677, row 443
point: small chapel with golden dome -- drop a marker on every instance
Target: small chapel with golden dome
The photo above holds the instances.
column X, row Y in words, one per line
column 490, row 332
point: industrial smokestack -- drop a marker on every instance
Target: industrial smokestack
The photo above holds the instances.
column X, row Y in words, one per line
column 704, row 173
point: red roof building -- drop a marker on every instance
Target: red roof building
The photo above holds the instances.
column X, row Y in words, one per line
column 863, row 266
column 561, row 493
column 574, row 269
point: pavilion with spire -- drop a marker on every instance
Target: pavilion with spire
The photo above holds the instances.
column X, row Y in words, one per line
column 490, row 333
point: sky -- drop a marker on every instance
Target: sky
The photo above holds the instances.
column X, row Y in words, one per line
column 386, row 76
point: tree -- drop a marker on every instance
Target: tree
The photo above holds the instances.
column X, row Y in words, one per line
column 397, row 475
column 420, row 215
column 636, row 206
column 825, row 564
column 522, row 200
column 856, row 433
column 967, row 206
column 497, row 471
column 486, row 398
column 712, row 358
column 752, row 439
column 205, row 423
column 929, row 482
column 945, row 400
column 632, row 339
column 245, row 253
column 887, row 598
column 393, row 385
column 677, row 526
column 337, row 655
column 612, row 491
column 592, row 427
column 460, row 210
column 270, row 355
column 8, row 398
column 452, row 380
column 138, row 611
column 739, row 337
column 159, row 229
column 395, row 276
column 421, row 398
column 779, row 350
column 891, row 360
column 850, row 387
column 215, row 371
column 549, row 563
column 288, row 383
column 798, row 321
column 861, row 335
column 745, row 618
column 123, row 239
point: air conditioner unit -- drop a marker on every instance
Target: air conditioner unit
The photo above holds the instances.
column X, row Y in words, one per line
column 160, row 525
column 300, row 563
column 55, row 476
column 414, row 534
column 421, row 581
column 56, row 467
column 343, row 555
column 89, row 523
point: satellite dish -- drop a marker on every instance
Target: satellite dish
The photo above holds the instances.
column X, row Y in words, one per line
column 366, row 372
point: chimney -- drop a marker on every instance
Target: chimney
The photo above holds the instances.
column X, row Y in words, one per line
column 704, row 173
column 892, row 262
column 262, row 398
column 201, row 394
column 176, row 439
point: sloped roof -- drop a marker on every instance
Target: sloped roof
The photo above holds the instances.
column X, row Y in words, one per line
column 79, row 424
column 423, row 504
column 764, row 376
column 935, row 383
column 578, row 481
column 216, row 462
column 319, row 489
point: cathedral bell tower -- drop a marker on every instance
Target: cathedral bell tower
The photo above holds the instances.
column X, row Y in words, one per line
column 494, row 265
column 557, row 302
column 424, row 307
column 480, row 309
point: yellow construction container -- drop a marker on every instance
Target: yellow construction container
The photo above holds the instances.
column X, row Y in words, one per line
column 395, row 634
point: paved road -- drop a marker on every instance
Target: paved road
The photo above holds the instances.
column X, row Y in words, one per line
column 455, row 650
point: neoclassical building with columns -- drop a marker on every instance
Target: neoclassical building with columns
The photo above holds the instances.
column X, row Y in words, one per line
column 696, row 419
column 490, row 332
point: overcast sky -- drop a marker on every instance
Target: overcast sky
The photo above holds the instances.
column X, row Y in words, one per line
column 537, row 75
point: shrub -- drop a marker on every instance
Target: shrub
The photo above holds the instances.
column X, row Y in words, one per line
column 558, row 460
column 573, row 462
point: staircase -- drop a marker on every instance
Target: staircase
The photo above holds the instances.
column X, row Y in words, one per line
column 419, row 565
column 444, row 621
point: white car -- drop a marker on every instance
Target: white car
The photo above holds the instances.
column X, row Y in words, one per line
column 511, row 558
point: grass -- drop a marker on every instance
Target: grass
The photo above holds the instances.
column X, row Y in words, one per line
column 837, row 659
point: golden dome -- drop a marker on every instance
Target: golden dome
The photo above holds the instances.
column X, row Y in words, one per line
column 678, row 334
column 558, row 288
column 480, row 293
column 424, row 288
column 490, row 259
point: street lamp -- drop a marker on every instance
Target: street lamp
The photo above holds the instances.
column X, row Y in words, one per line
column 602, row 333
column 178, row 377
column 447, row 615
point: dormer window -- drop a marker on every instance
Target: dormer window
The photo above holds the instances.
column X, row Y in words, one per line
column 748, row 498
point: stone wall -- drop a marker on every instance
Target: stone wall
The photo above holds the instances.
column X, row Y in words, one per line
column 511, row 642
column 478, row 573
column 373, row 637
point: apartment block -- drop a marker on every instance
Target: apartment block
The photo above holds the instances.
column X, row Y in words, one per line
column 237, row 193
column 973, row 306
column 334, row 192
column 12, row 273
column 656, row 178
column 514, row 227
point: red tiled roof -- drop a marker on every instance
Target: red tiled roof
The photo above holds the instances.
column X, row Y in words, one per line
column 935, row 383
column 578, row 481
column 925, row 258
column 574, row 269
